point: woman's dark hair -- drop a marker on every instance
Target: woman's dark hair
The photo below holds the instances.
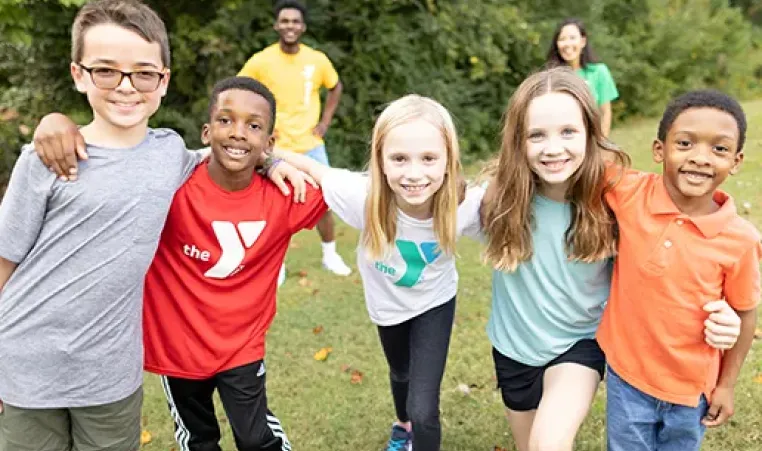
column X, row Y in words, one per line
column 554, row 57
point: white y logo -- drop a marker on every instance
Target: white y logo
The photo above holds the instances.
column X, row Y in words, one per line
column 233, row 246
column 307, row 73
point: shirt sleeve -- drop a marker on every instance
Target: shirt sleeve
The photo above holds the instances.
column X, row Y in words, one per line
column 307, row 215
column 330, row 78
column 742, row 280
column 345, row 193
column 251, row 68
column 469, row 219
column 23, row 208
column 627, row 182
column 605, row 85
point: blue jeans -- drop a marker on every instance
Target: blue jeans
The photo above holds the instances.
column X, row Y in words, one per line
column 319, row 154
column 636, row 421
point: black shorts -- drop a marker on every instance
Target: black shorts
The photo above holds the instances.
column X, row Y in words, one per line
column 521, row 385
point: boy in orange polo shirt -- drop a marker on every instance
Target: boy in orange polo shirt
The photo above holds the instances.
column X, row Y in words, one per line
column 682, row 245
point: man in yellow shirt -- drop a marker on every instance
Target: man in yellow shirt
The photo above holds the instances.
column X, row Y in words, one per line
column 295, row 72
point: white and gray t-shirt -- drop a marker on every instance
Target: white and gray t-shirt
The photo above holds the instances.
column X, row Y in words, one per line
column 70, row 315
column 415, row 277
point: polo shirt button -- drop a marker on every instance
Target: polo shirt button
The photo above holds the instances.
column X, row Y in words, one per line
column 679, row 222
column 668, row 244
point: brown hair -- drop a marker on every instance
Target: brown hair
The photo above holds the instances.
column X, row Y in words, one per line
column 132, row 15
column 507, row 215
column 380, row 208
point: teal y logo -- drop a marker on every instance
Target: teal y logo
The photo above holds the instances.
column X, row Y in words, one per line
column 415, row 260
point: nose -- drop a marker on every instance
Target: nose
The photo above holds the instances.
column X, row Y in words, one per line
column 555, row 146
column 238, row 130
column 125, row 85
column 700, row 155
column 414, row 171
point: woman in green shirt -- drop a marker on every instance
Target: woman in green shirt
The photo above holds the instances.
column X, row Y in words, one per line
column 570, row 47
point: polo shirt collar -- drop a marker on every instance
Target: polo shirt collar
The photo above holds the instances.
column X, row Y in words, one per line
column 709, row 225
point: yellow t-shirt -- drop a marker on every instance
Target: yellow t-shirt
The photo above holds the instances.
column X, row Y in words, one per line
column 295, row 81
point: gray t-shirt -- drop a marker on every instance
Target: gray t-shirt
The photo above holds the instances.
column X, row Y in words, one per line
column 70, row 315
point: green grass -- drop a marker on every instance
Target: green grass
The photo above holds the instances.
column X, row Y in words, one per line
column 322, row 410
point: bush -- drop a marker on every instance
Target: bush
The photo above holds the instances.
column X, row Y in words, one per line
column 468, row 55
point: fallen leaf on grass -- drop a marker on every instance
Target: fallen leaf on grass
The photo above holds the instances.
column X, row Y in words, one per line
column 145, row 437
column 500, row 448
column 315, row 291
column 304, row 282
column 758, row 379
column 302, row 273
column 317, row 330
column 323, row 354
column 345, row 368
column 465, row 389
column 356, row 377
column 757, row 333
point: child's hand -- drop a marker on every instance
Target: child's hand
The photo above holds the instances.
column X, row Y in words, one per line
column 58, row 143
column 284, row 171
column 723, row 326
column 721, row 408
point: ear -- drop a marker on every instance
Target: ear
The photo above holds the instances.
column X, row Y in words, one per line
column 304, row 27
column 206, row 130
column 737, row 164
column 78, row 75
column 658, row 151
column 583, row 42
column 165, row 82
column 270, row 144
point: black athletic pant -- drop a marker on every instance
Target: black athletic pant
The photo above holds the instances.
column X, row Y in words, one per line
column 242, row 391
column 416, row 351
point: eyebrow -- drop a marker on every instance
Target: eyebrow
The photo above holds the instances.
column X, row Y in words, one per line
column 116, row 63
column 252, row 115
column 719, row 135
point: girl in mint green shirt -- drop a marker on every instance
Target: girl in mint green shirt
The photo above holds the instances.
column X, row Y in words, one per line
column 570, row 47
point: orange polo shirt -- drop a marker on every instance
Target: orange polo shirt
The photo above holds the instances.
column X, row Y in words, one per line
column 668, row 266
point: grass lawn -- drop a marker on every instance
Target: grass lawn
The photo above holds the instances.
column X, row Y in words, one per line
column 323, row 407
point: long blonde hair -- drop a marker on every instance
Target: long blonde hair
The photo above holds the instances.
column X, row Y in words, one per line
column 507, row 216
column 381, row 207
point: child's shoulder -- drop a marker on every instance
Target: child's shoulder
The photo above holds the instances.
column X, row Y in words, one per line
column 743, row 231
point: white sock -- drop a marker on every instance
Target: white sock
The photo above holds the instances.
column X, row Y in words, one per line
column 329, row 248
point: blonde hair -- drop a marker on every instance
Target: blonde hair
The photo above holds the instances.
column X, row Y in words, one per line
column 381, row 207
column 507, row 217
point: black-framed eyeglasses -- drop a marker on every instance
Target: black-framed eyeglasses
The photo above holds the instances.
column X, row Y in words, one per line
column 110, row 78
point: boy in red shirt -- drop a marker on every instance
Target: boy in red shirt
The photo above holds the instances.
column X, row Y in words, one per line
column 210, row 291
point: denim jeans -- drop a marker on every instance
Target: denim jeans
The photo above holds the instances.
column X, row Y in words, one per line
column 636, row 421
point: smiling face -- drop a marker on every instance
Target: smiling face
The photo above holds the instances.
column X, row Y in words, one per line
column 239, row 130
column 698, row 154
column 556, row 141
column 414, row 159
column 290, row 25
column 108, row 46
column 570, row 44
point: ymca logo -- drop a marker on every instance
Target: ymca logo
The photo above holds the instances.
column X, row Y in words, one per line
column 234, row 240
column 307, row 73
column 415, row 257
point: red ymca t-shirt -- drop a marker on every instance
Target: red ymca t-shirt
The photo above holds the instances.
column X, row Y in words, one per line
column 210, row 291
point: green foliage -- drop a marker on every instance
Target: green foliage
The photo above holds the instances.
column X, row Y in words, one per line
column 468, row 55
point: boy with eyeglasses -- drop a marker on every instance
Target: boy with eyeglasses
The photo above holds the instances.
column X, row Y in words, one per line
column 73, row 255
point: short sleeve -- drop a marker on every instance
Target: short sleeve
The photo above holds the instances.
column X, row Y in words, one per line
column 251, row 68
column 23, row 208
column 742, row 280
column 345, row 193
column 469, row 220
column 627, row 182
column 329, row 75
column 307, row 215
column 606, row 87
column 191, row 160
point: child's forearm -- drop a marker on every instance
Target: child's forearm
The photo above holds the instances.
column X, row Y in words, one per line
column 732, row 360
column 304, row 164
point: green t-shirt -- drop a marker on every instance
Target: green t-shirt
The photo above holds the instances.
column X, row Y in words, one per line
column 599, row 80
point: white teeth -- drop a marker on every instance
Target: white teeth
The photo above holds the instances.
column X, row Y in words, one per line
column 696, row 176
column 237, row 152
column 414, row 188
column 554, row 164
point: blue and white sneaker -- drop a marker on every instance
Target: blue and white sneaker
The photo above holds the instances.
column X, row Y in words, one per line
column 401, row 439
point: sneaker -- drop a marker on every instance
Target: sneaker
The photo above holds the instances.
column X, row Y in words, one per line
column 401, row 439
column 334, row 263
column 282, row 275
